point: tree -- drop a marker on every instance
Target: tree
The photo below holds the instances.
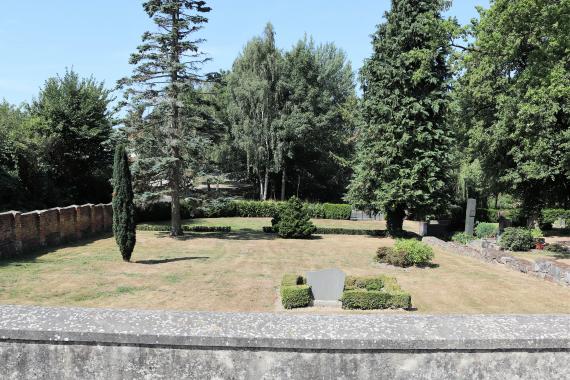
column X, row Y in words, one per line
column 293, row 221
column 403, row 160
column 255, row 104
column 124, row 227
column 167, row 67
column 514, row 101
column 72, row 121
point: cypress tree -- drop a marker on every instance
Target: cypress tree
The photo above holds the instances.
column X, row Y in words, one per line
column 403, row 157
column 124, row 227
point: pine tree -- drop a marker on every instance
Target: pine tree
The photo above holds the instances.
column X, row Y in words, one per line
column 167, row 67
column 124, row 227
column 293, row 221
column 403, row 160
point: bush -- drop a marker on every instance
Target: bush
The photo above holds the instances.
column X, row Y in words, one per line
column 517, row 239
column 536, row 233
column 486, row 230
column 367, row 283
column 293, row 222
column 160, row 211
column 390, row 256
column 373, row 299
column 294, row 292
column 557, row 248
column 489, row 215
column 417, row 253
column 462, row 238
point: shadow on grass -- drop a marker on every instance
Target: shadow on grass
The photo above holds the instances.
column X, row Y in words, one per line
column 238, row 235
column 172, row 260
column 30, row 257
column 427, row 266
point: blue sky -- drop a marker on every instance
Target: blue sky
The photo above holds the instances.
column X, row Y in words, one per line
column 39, row 38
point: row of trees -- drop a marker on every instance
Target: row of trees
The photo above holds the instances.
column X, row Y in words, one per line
column 438, row 119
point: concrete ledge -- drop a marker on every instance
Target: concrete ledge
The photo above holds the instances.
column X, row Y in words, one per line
column 257, row 330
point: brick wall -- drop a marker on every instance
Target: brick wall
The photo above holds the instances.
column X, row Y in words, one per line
column 30, row 231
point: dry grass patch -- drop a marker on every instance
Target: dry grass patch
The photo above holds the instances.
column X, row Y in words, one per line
column 242, row 271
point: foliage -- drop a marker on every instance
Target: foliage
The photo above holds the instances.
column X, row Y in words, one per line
column 516, row 239
column 374, row 292
column 462, row 238
column 124, row 227
column 536, row 233
column 72, row 124
column 368, row 283
column 557, row 248
column 294, row 292
column 389, row 255
column 417, row 253
column 293, row 221
column 486, row 230
column 550, row 216
column 403, row 154
column 162, row 97
column 513, row 100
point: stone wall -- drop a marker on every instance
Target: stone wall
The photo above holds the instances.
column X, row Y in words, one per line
column 74, row 343
column 543, row 268
column 27, row 232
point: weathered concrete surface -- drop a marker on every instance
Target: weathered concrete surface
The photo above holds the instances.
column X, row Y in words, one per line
column 73, row 343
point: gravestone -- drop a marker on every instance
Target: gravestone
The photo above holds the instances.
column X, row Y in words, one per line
column 470, row 216
column 326, row 285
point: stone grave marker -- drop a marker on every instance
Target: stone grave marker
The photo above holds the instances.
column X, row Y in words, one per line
column 327, row 285
column 470, row 216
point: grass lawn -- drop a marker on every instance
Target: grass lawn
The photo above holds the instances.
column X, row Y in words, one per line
column 241, row 272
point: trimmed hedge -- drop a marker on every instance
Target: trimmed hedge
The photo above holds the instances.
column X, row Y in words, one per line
column 377, row 292
column 269, row 209
column 362, row 299
column 335, row 231
column 187, row 228
column 295, row 292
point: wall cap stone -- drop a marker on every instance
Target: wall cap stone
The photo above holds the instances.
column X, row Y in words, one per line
column 285, row 331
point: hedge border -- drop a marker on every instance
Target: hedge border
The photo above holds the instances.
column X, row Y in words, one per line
column 374, row 292
column 337, row 231
column 295, row 292
column 186, row 228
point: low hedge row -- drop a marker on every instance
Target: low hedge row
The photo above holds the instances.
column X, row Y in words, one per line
column 226, row 207
column 166, row 228
column 378, row 292
column 295, row 292
column 336, row 231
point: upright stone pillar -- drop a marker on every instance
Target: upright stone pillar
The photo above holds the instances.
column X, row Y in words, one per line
column 470, row 216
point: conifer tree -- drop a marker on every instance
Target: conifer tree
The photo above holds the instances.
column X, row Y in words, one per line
column 403, row 160
column 124, row 227
column 167, row 64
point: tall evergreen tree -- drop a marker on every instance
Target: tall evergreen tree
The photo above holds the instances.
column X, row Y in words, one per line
column 403, row 161
column 167, row 67
column 124, row 227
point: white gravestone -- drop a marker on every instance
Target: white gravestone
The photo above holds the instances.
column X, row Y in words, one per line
column 326, row 285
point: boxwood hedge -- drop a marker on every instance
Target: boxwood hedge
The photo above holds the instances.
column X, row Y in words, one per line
column 295, row 292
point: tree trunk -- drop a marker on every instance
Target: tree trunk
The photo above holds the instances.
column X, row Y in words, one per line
column 265, row 185
column 260, row 187
column 298, row 184
column 283, row 183
column 175, row 180
column 395, row 220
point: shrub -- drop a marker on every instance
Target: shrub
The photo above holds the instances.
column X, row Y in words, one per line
column 367, row 283
column 557, row 248
column 417, row 253
column 516, row 239
column 390, row 256
column 373, row 299
column 486, row 230
column 462, row 238
column 293, row 222
column 551, row 215
column 124, row 227
column 536, row 233
column 294, row 292
column 166, row 228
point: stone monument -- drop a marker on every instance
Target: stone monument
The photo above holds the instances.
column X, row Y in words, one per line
column 470, row 216
column 327, row 286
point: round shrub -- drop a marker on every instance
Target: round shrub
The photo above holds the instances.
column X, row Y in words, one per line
column 293, row 222
column 516, row 239
column 416, row 252
column 462, row 238
column 557, row 248
column 390, row 256
column 486, row 230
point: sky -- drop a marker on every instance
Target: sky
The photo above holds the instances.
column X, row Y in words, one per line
column 40, row 39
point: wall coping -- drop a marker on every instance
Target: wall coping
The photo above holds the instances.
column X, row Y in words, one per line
column 284, row 331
